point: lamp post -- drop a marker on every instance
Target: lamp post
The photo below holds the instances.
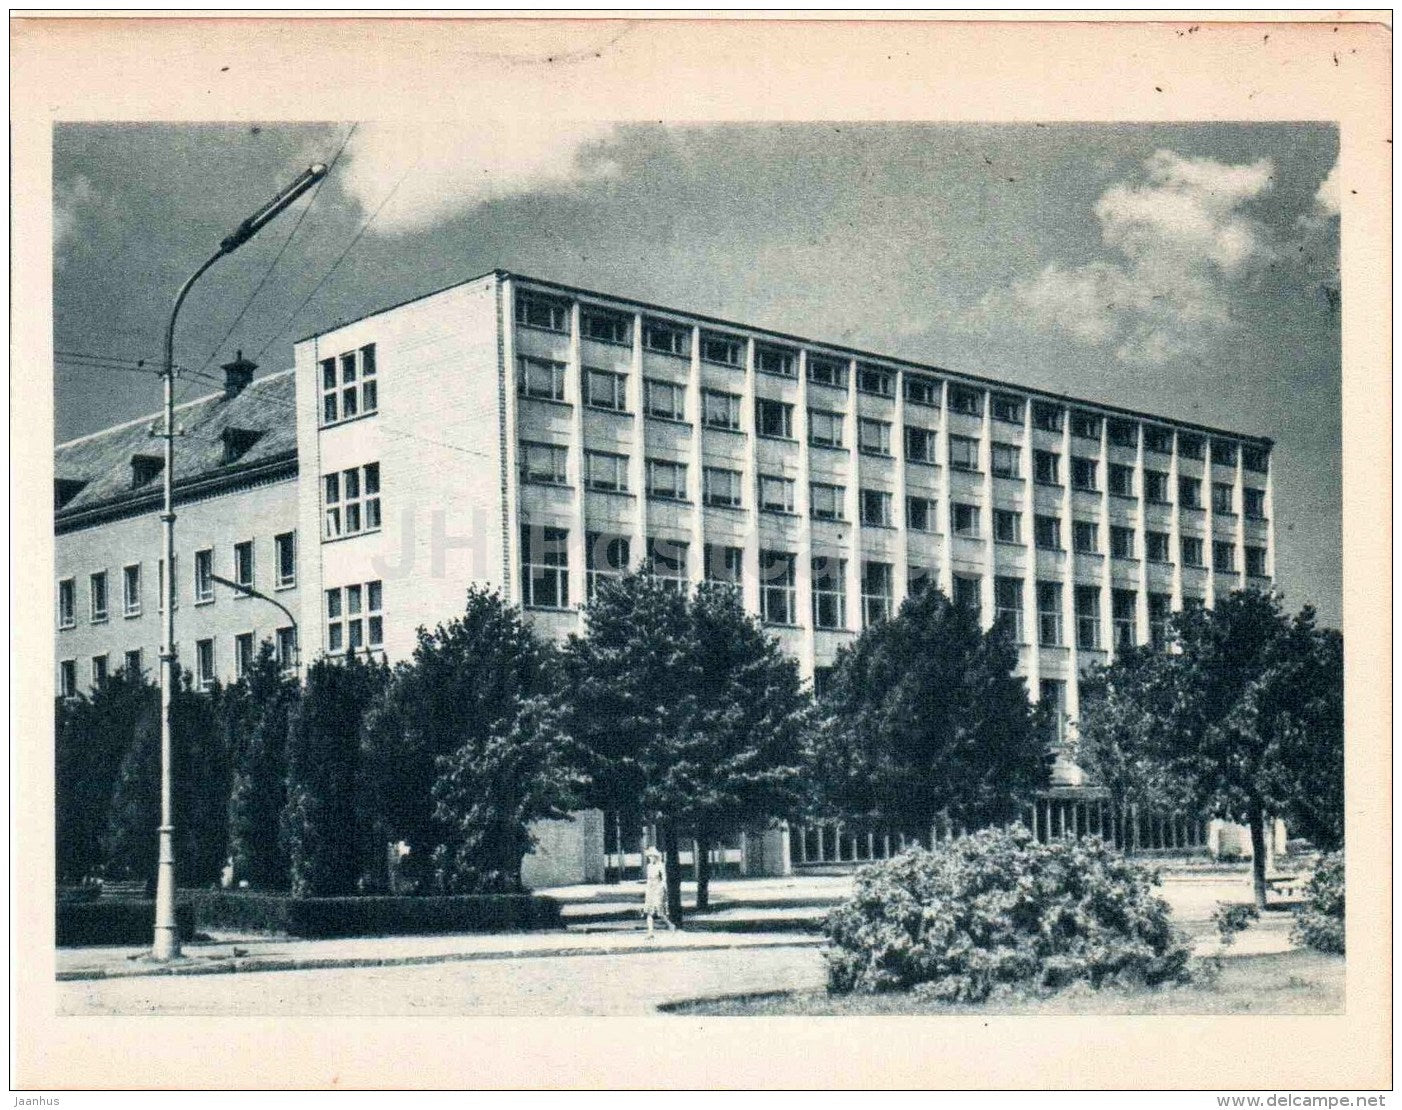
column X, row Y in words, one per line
column 166, row 944
column 250, row 591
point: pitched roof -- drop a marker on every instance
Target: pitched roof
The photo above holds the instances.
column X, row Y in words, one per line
column 102, row 461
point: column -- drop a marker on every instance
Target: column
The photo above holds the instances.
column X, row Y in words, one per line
column 637, row 461
column 985, row 450
column 751, row 557
column 804, row 507
column 853, row 498
column 945, row 511
column 1270, row 515
column 1107, row 612
column 1141, row 552
column 1175, row 529
column 1068, row 580
column 1210, row 544
column 696, row 558
column 510, row 555
column 574, row 391
column 1239, row 501
column 900, row 585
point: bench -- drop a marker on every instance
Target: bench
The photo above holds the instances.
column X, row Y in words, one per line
column 1288, row 886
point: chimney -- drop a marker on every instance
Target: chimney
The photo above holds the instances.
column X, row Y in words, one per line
column 237, row 375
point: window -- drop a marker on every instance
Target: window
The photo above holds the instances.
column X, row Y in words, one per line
column 1007, row 526
column 131, row 663
column 827, row 371
column 606, row 471
column 776, row 360
column 918, row 580
column 1085, row 536
column 968, row 595
column 541, row 463
column 1121, row 480
column 204, row 577
column 1088, row 617
column 97, row 596
column 99, row 671
column 204, row 664
column 1223, row 555
column 354, row 618
column 724, row 350
column 1156, row 487
column 964, row 400
column 285, row 559
column 288, row 648
column 824, row 428
column 920, row 514
column 826, row 501
column 667, row 563
column 1253, row 503
column 1006, row 460
column 352, row 497
column 1048, row 532
column 605, row 556
column 1007, row 607
column 605, row 327
column 963, row 453
column 829, row 592
column 67, row 605
column 603, row 389
column 1048, row 417
column 1256, row 562
column 68, row 678
column 873, row 436
column 666, row 480
column 723, row 564
column 1255, row 459
column 1159, row 610
column 1158, row 440
column 1122, row 433
column 545, row 579
column 876, row 508
column 1122, row 606
column 919, row 444
column 776, row 494
column 773, row 419
column 1046, row 467
column 1189, row 492
column 920, row 390
column 243, row 563
column 1007, row 409
column 1083, row 474
column 1190, row 446
column 1191, row 551
column 541, row 378
column 777, row 590
column 1052, row 694
column 879, row 383
column 664, row 400
column 1156, row 547
column 131, row 590
column 349, row 386
column 1223, row 500
column 666, row 339
column 243, row 654
column 1121, row 542
column 534, row 310
column 1193, row 604
column 721, row 487
column 878, row 593
column 720, row 410
column 966, row 520
column 1223, row 452
column 1085, row 425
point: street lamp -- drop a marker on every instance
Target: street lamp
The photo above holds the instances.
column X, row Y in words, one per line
column 166, row 944
column 249, row 591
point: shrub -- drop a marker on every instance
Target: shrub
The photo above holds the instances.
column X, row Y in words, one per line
column 1319, row 923
column 97, row 923
column 374, row 916
column 997, row 908
column 1232, row 918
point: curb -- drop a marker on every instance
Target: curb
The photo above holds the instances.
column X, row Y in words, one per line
column 246, row 964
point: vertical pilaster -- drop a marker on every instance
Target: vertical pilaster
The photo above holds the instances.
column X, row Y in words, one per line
column 803, row 505
column 945, row 508
column 900, row 570
column 985, row 451
column 637, row 461
column 1107, row 614
column 511, row 496
column 1029, row 543
column 1175, row 525
column 1270, row 516
column 1068, row 578
column 695, row 482
column 1239, row 503
column 1209, row 498
column 750, row 558
column 853, row 497
column 1141, row 548
column 574, row 389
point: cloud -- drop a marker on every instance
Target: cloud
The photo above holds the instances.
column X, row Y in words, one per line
column 71, row 199
column 1326, row 200
column 1183, row 242
column 431, row 172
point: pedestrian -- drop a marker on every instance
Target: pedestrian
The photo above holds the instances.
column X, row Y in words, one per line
column 655, row 893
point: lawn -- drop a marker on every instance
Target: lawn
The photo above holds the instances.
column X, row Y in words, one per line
column 1299, row 982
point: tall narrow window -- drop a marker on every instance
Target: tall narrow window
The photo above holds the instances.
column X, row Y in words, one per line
column 204, row 664
column 1052, row 694
column 1224, row 556
column 1083, row 474
column 1005, row 460
column 963, row 453
column 1253, row 503
column 825, row 501
column 68, row 678
column 1088, row 617
column 968, row 594
column 1223, row 498
column 131, row 590
column 878, row 593
column 1189, row 492
column 876, row 508
column 824, row 428
column 1048, row 529
column 97, row 596
column 1049, row 615
column 99, row 671
column 1085, row 536
column 131, row 663
column 1160, row 610
column 1007, row 605
column 243, row 654
column 773, row 419
column 721, row 410
column 287, row 647
column 1156, row 487
column 67, row 604
column 919, row 444
column 349, row 385
column 204, row 576
column 544, row 567
column 285, row 556
column 1046, row 468
column 1007, row 526
column 723, row 564
column 243, row 563
column 777, row 587
column 966, row 520
column 920, row 514
column 1121, row 480
column 1121, row 541
column 606, row 558
column 1256, row 562
column 829, row 592
column 1122, row 607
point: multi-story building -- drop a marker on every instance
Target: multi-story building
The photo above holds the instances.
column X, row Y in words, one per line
column 534, row 436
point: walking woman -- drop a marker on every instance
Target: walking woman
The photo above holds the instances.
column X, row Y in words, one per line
column 655, row 893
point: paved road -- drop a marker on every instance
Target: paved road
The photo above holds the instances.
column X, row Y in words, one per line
column 573, row 985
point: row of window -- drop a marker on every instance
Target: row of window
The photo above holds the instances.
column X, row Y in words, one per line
column 355, row 619
column 349, row 385
column 133, row 597
column 351, row 501
column 284, row 648
column 605, row 388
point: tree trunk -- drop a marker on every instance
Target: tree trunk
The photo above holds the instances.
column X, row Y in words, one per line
column 672, row 864
column 703, row 870
column 1258, row 854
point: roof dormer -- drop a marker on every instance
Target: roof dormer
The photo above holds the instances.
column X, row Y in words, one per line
column 237, row 441
column 65, row 489
column 145, row 469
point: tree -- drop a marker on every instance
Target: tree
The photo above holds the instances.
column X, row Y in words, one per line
column 1315, row 754
column 925, row 719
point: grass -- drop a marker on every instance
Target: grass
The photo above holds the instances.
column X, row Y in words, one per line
column 1299, row 982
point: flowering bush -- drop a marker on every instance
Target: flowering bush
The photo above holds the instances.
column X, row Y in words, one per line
column 1319, row 923
column 1232, row 918
column 997, row 908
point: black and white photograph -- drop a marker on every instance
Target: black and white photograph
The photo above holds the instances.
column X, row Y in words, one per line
column 699, row 569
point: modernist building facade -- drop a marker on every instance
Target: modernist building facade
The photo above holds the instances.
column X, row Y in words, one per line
column 534, row 437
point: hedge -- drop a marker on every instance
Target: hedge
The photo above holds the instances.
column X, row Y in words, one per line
column 108, row 922
column 373, row 916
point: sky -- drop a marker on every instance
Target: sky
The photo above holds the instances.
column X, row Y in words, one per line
column 1189, row 270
